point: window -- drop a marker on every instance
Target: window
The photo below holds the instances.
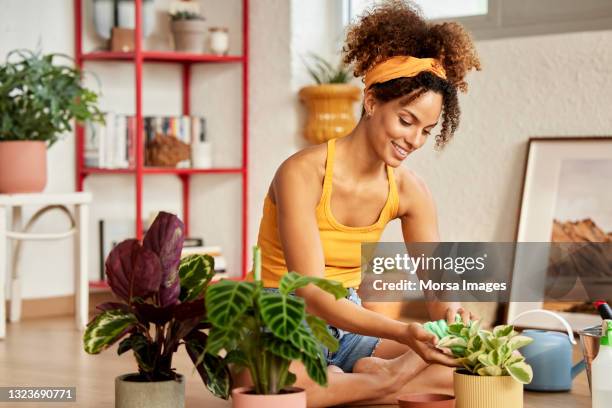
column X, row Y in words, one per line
column 432, row 9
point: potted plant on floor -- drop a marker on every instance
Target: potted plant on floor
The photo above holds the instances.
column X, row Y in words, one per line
column 38, row 100
column 264, row 332
column 188, row 31
column 161, row 307
column 493, row 371
column 330, row 102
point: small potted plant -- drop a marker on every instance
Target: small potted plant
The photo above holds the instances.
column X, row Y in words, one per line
column 39, row 98
column 188, row 30
column 161, row 307
column 493, row 371
column 264, row 332
column 330, row 102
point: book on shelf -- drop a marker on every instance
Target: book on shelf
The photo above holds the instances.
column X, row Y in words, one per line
column 112, row 144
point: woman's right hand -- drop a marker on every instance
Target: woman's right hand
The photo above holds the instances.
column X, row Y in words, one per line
column 424, row 344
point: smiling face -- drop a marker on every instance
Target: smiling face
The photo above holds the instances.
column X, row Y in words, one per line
column 396, row 129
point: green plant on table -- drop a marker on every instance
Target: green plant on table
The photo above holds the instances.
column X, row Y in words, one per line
column 39, row 98
column 161, row 307
column 322, row 72
column 264, row 331
column 483, row 352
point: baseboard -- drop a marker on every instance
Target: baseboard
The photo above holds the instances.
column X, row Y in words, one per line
column 58, row 305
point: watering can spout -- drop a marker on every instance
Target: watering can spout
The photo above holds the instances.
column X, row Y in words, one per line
column 578, row 368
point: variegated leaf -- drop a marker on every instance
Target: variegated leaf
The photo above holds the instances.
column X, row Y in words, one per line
column 281, row 314
column 227, row 300
column 107, row 328
column 521, row 372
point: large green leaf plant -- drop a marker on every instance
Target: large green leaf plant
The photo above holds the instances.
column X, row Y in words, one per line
column 39, row 97
column 265, row 331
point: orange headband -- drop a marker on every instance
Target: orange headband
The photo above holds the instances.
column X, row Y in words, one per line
column 399, row 67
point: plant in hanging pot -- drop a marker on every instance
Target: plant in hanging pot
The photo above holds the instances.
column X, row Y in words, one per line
column 330, row 102
column 38, row 100
column 493, row 371
column 188, row 31
column 161, row 308
column 264, row 332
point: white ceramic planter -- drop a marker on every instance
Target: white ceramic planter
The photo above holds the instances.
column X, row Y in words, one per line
column 473, row 391
column 158, row 394
column 242, row 398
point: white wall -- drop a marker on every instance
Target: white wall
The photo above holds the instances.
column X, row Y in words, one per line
column 557, row 85
column 533, row 86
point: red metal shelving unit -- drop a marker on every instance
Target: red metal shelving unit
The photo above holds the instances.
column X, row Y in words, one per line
column 138, row 58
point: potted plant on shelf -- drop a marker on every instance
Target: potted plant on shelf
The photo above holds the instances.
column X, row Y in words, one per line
column 161, row 307
column 493, row 371
column 264, row 332
column 188, row 31
column 38, row 101
column 330, row 102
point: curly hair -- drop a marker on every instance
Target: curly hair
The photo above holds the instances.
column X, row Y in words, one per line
column 398, row 28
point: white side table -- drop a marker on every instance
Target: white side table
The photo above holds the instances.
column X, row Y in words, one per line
column 12, row 204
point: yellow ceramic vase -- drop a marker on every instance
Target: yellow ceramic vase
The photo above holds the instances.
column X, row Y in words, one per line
column 330, row 110
column 473, row 391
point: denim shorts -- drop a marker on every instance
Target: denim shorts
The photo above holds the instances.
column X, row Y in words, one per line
column 351, row 346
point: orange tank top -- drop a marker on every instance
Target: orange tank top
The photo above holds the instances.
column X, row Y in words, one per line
column 341, row 243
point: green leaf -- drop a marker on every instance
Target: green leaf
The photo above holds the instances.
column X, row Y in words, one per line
column 521, row 372
column 292, row 281
column 517, row 342
column 281, row 348
column 220, row 338
column 195, row 273
column 513, row 359
column 452, row 341
column 107, row 328
column 474, row 328
column 491, row 371
column 455, row 328
column 281, row 313
column 227, row 300
column 217, row 374
column 305, row 342
column 124, row 345
column 475, row 343
column 316, row 367
column 484, row 360
column 145, row 357
column 320, row 331
column 212, row 369
column 503, row 330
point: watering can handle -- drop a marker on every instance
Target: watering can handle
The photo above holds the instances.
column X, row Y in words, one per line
column 570, row 332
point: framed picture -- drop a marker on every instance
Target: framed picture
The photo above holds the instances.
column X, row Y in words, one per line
column 566, row 197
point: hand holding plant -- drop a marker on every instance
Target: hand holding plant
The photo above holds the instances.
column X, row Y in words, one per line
column 483, row 352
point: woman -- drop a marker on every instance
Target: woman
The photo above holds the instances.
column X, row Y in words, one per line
column 327, row 199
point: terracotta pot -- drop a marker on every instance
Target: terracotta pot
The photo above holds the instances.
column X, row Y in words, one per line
column 330, row 110
column 188, row 35
column 473, row 391
column 23, row 166
column 243, row 398
column 426, row 401
column 156, row 394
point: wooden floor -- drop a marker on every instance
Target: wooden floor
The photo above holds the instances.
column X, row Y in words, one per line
column 48, row 352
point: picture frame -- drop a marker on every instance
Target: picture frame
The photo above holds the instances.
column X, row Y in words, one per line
column 552, row 172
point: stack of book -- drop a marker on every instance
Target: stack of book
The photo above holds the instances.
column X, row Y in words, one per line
column 111, row 145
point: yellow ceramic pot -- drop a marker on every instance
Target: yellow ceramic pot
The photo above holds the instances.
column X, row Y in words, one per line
column 473, row 391
column 330, row 110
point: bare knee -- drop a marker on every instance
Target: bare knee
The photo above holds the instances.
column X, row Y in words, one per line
column 441, row 377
